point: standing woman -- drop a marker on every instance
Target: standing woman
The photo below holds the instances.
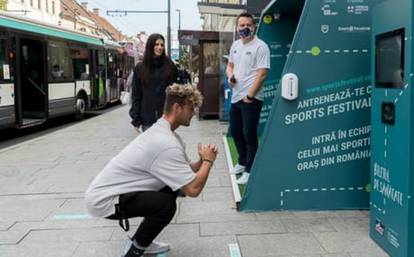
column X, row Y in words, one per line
column 151, row 77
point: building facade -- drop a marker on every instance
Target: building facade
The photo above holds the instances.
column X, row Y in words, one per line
column 220, row 15
column 74, row 16
column 68, row 14
column 42, row 10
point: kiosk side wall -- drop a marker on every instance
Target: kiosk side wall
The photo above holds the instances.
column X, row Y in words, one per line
column 391, row 208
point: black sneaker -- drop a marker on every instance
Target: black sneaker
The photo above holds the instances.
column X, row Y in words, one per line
column 132, row 251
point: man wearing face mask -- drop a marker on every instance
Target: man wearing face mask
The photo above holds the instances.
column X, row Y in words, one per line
column 249, row 62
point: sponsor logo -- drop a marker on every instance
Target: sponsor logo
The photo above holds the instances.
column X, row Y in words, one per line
column 326, row 10
column 352, row 28
column 358, row 9
column 267, row 19
column 324, row 28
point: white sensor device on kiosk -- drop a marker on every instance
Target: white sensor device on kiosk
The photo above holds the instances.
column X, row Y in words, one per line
column 290, row 86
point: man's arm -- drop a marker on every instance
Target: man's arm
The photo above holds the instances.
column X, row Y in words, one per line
column 258, row 82
column 196, row 165
column 230, row 73
column 135, row 110
column 194, row 188
column 208, row 155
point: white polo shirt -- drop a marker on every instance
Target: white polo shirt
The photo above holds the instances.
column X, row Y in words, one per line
column 247, row 60
column 153, row 160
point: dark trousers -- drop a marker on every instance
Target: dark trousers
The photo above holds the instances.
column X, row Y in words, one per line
column 157, row 208
column 244, row 119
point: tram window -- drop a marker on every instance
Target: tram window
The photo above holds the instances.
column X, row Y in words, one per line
column 80, row 60
column 60, row 65
column 5, row 69
column 389, row 58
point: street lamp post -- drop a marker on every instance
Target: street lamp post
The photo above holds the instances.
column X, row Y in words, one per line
column 179, row 28
column 179, row 18
column 169, row 28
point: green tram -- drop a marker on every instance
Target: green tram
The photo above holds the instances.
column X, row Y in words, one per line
column 47, row 71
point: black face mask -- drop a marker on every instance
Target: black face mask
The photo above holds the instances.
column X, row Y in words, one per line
column 246, row 32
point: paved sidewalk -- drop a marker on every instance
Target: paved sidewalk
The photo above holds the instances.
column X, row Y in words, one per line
column 42, row 213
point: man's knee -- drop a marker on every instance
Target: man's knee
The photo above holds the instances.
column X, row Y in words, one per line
column 236, row 132
column 250, row 134
column 170, row 208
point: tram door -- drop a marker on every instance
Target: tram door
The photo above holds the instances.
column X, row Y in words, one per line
column 97, row 71
column 33, row 92
column 112, row 88
column 100, row 78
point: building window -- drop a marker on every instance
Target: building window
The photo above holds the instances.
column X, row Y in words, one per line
column 31, row 3
column 47, row 5
column 53, row 7
column 22, row 1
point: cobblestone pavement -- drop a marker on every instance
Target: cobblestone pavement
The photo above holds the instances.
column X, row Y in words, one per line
column 43, row 214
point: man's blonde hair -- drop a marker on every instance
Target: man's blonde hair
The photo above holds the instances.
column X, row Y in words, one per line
column 181, row 94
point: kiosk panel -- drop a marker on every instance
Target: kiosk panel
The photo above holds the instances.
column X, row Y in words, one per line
column 389, row 59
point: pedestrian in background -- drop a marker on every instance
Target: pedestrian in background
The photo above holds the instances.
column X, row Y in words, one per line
column 249, row 62
column 144, row 178
column 151, row 77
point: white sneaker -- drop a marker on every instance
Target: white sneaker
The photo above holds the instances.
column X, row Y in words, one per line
column 154, row 248
column 157, row 247
column 243, row 179
column 237, row 169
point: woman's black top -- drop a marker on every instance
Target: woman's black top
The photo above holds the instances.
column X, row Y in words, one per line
column 148, row 97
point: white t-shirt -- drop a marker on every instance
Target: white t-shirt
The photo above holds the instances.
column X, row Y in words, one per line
column 247, row 60
column 153, row 160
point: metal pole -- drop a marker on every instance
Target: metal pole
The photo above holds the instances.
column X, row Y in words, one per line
column 169, row 28
column 179, row 28
column 179, row 19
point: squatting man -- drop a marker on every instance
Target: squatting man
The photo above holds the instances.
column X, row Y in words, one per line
column 144, row 178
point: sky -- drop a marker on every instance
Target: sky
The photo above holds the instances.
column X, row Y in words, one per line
column 149, row 23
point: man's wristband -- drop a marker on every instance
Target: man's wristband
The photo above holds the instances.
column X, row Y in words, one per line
column 207, row 160
column 250, row 98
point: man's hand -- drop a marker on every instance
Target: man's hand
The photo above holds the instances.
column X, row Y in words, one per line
column 232, row 81
column 214, row 148
column 207, row 152
column 247, row 100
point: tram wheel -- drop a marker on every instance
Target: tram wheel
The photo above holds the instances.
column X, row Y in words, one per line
column 80, row 108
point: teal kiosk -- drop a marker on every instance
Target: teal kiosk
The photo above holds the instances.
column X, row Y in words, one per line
column 315, row 147
column 392, row 170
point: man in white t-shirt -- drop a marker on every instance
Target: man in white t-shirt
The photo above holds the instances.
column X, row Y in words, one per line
column 249, row 61
column 144, row 178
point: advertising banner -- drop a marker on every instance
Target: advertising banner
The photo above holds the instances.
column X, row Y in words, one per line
column 315, row 149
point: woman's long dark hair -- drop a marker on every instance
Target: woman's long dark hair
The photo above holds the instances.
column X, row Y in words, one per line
column 149, row 57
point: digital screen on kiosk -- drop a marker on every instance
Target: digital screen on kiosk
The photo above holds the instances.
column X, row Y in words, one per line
column 389, row 59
